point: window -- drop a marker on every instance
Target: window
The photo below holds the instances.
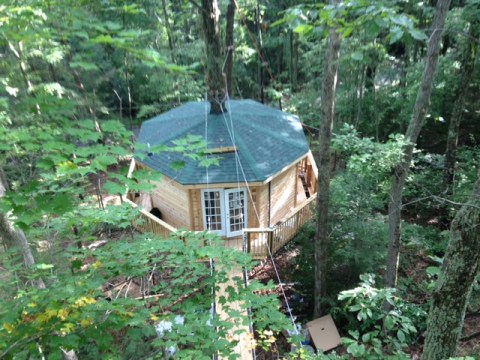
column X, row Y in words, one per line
column 225, row 211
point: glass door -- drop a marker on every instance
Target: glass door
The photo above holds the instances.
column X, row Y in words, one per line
column 225, row 211
column 213, row 210
column 236, row 201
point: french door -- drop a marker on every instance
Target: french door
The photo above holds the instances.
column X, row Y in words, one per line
column 225, row 211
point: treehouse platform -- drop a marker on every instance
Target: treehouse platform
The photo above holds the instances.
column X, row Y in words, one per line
column 259, row 242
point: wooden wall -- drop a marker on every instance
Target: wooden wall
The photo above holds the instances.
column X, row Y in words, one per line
column 196, row 214
column 262, row 206
column 173, row 202
column 283, row 194
column 252, row 220
column 182, row 208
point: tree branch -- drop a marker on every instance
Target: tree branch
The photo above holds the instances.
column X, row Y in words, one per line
column 471, row 336
column 194, row 3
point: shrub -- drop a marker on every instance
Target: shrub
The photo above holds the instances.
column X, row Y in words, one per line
column 379, row 333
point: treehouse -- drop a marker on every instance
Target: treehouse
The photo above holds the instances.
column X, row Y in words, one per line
column 263, row 181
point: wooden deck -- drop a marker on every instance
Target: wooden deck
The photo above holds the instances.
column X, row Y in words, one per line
column 259, row 242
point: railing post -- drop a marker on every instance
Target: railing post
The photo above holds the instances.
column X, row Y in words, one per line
column 297, row 218
column 270, row 241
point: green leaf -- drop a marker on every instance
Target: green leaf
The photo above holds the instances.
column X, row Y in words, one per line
column 389, row 323
column 357, row 56
column 303, row 29
column 366, row 337
column 44, row 266
column 102, row 161
column 395, row 35
column 103, row 39
column 354, row 333
column 347, row 32
column 87, row 66
column 114, row 188
column 401, row 20
column 178, row 165
column 111, row 126
column 417, row 34
column 433, row 271
column 401, row 336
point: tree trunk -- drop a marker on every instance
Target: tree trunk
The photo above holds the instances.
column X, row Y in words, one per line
column 169, row 29
column 468, row 64
column 261, row 94
column 16, row 237
column 294, row 44
column 21, row 64
column 214, row 79
column 325, row 137
column 420, row 109
column 358, row 98
column 229, row 45
column 460, row 267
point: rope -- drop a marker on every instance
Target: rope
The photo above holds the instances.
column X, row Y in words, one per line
column 258, row 219
column 289, row 309
column 245, row 271
column 240, row 166
column 211, row 261
column 206, row 133
column 238, row 185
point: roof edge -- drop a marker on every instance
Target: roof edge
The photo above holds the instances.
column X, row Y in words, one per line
column 196, row 186
column 286, row 168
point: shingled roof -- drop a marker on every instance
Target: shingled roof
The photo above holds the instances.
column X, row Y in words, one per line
column 267, row 140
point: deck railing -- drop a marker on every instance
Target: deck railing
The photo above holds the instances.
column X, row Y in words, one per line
column 258, row 241
column 147, row 223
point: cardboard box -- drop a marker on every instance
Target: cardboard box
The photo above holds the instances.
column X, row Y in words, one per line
column 324, row 333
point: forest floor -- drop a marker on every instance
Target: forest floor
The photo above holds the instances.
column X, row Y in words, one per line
column 414, row 271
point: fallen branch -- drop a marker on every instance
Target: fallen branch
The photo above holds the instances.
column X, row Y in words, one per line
column 471, row 336
column 179, row 300
column 149, row 296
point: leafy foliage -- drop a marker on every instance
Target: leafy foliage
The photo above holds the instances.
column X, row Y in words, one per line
column 379, row 334
column 91, row 310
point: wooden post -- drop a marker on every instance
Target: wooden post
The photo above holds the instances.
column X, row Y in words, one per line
column 270, row 241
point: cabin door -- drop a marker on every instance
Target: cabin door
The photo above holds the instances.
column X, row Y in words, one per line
column 225, row 211
column 213, row 213
column 236, row 211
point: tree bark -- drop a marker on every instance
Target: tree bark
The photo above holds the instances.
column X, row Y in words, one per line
column 468, row 64
column 229, row 45
column 16, row 237
column 261, row 94
column 21, row 64
column 169, row 30
column 214, row 79
column 420, row 109
column 460, row 267
column 325, row 137
column 295, row 62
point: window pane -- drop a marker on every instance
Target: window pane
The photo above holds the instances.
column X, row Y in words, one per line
column 236, row 210
column 213, row 211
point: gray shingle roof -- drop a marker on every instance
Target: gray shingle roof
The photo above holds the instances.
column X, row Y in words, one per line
column 267, row 140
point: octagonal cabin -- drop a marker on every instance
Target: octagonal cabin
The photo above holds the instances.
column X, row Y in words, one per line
column 265, row 170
